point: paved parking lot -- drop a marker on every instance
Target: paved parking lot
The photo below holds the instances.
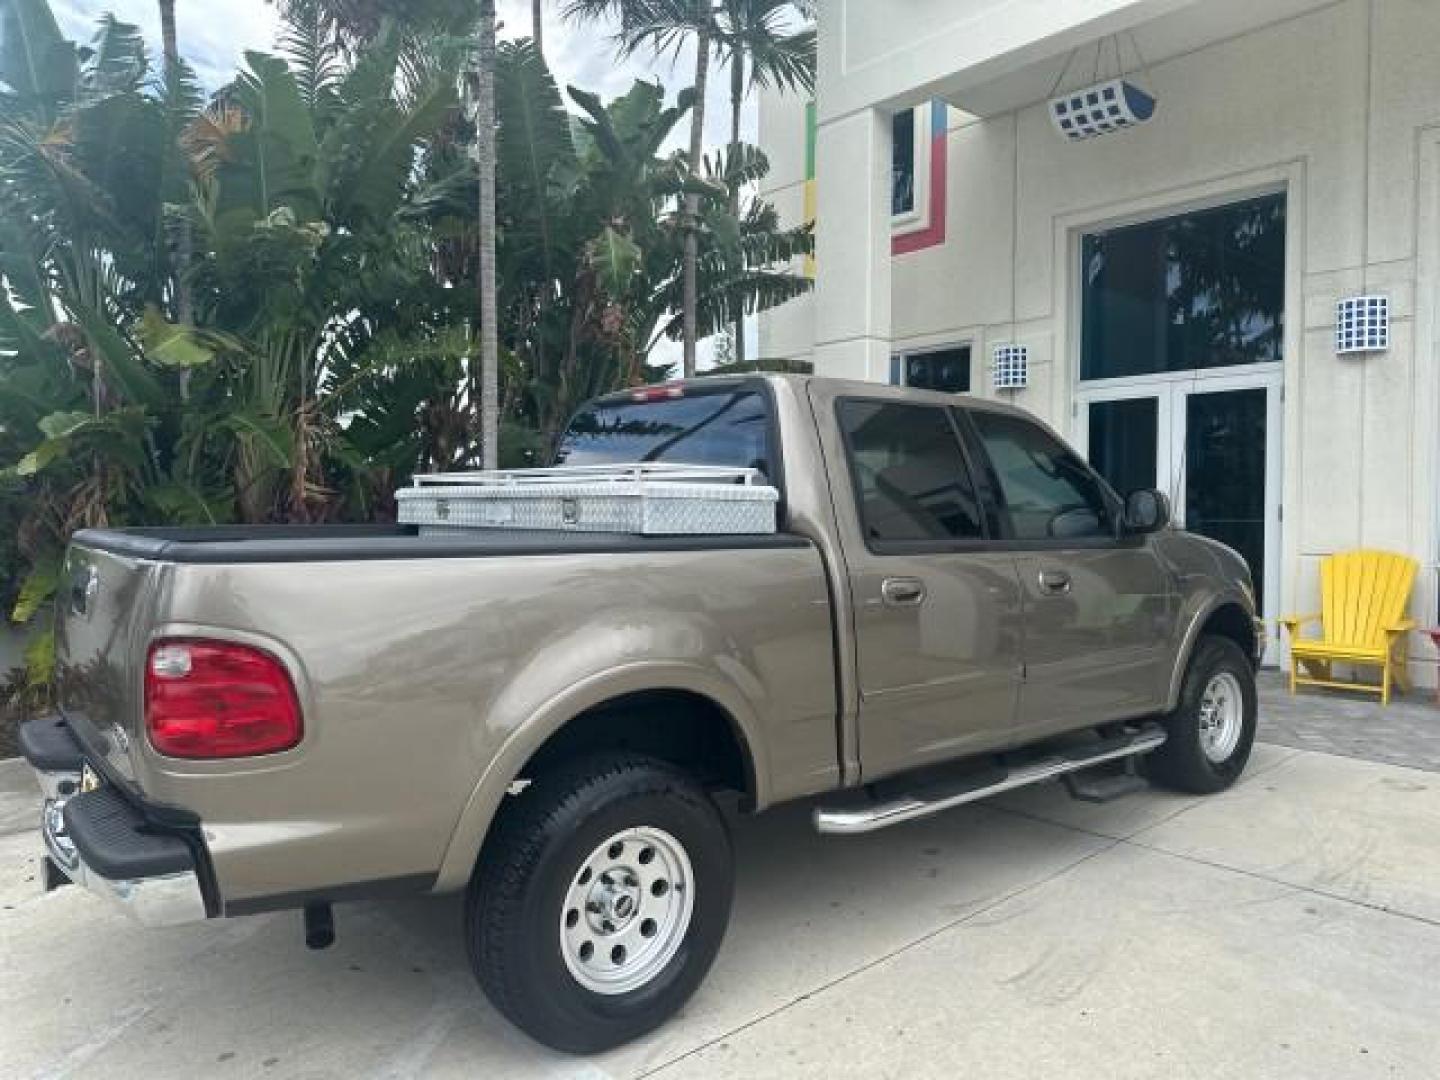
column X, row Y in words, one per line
column 1289, row 928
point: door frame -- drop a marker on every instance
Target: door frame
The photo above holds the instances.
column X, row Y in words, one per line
column 1171, row 391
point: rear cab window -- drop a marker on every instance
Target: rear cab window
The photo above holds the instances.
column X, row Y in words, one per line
column 913, row 489
column 726, row 424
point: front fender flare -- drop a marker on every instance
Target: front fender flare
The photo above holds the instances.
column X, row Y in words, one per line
column 1194, row 625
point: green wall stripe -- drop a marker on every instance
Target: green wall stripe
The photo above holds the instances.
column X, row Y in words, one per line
column 810, row 141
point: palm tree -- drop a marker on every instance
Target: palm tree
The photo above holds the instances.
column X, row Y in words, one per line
column 754, row 32
column 168, row 44
column 174, row 74
column 485, row 154
column 665, row 25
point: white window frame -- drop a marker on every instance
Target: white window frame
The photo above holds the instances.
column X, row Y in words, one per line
column 900, row 356
column 917, row 218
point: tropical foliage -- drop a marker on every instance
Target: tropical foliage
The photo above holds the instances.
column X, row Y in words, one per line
column 764, row 43
column 259, row 304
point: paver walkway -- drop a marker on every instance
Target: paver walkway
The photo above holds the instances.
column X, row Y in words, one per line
column 1405, row 732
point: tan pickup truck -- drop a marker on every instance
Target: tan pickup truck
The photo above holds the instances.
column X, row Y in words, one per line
column 953, row 605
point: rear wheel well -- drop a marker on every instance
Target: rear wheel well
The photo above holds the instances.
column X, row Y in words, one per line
column 686, row 729
column 1231, row 621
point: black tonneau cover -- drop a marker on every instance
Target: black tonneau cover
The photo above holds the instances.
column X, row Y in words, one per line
column 332, row 543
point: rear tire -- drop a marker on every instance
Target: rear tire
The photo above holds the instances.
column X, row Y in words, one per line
column 600, row 901
column 1211, row 731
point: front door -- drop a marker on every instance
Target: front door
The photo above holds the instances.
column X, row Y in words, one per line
column 1099, row 606
column 1211, row 442
column 937, row 611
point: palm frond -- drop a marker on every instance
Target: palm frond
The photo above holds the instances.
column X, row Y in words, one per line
column 182, row 95
column 307, row 41
column 737, row 166
column 117, row 62
column 206, row 141
column 786, row 62
column 36, row 62
column 534, row 146
column 272, row 159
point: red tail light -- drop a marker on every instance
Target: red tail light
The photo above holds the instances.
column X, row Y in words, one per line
column 217, row 699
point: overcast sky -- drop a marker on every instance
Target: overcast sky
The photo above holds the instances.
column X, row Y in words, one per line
column 214, row 35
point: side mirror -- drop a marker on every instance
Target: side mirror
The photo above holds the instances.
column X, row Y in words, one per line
column 1146, row 511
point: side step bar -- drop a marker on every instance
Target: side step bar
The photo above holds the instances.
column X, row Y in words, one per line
column 931, row 800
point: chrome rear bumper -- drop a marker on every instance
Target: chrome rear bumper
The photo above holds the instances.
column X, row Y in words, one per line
column 96, row 839
column 162, row 900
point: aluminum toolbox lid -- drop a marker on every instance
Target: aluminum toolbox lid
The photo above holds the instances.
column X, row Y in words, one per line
column 601, row 475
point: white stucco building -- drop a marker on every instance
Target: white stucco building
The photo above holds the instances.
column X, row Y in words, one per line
column 1174, row 284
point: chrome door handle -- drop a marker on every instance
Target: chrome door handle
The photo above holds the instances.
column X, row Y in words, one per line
column 1054, row 582
column 902, row 591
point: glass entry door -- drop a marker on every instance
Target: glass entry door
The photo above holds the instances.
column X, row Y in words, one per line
column 1224, row 481
column 1211, row 443
column 1124, row 441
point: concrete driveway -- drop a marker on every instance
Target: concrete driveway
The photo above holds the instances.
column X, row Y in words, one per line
column 1289, row 928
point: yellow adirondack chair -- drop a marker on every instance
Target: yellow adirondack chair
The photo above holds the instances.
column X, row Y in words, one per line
column 1363, row 595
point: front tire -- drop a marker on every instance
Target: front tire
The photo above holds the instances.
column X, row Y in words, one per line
column 1211, row 731
column 600, row 901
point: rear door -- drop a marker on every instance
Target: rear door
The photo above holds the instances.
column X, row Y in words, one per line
column 937, row 615
column 1098, row 606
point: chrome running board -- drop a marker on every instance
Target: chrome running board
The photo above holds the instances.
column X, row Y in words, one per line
column 932, row 799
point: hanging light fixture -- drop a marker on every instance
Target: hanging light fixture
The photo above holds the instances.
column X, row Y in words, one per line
column 1104, row 105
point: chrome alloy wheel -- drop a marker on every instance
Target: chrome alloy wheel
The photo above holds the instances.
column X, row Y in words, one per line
column 1222, row 716
column 627, row 910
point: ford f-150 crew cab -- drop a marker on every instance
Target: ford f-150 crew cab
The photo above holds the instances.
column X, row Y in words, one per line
column 953, row 604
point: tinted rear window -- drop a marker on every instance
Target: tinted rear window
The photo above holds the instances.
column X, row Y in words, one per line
column 910, row 477
column 705, row 428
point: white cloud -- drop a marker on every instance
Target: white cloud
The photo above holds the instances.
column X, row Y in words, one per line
column 213, row 34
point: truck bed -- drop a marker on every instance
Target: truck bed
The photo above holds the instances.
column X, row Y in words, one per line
column 423, row 662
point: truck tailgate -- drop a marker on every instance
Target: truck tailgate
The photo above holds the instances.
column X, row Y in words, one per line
column 103, row 609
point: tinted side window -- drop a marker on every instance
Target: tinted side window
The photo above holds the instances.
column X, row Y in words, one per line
column 1046, row 492
column 940, row 369
column 910, row 477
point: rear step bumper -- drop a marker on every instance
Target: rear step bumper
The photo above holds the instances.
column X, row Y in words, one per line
column 98, row 839
column 934, row 798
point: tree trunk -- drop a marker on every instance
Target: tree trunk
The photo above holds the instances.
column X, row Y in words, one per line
column 691, row 296
column 485, row 147
column 184, row 313
column 167, row 34
column 737, row 100
column 537, row 28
